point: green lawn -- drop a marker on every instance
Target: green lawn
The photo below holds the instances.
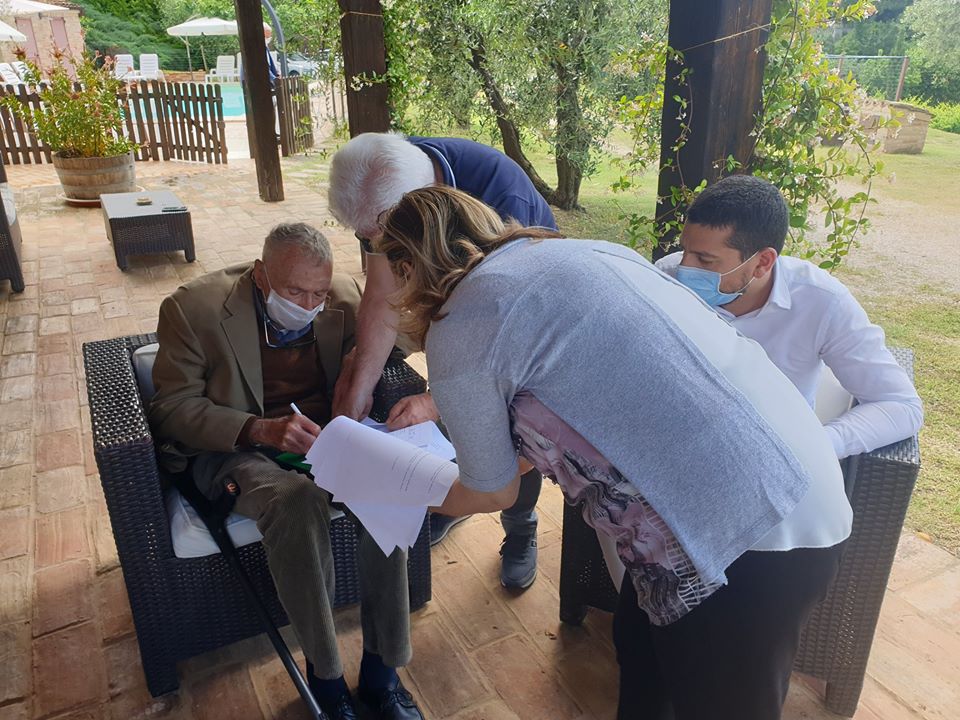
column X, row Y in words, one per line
column 932, row 329
column 931, row 179
column 926, row 318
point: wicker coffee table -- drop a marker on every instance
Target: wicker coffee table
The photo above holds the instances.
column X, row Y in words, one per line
column 135, row 229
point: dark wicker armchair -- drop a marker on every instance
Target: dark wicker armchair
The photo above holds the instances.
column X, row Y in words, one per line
column 185, row 607
column 10, row 242
column 836, row 642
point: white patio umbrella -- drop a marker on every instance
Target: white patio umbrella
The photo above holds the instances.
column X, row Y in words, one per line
column 10, row 34
column 199, row 27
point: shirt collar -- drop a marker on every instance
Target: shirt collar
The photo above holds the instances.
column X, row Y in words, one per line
column 780, row 292
column 283, row 337
column 779, row 295
column 445, row 169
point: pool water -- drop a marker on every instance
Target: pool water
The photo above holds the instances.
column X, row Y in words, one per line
column 232, row 100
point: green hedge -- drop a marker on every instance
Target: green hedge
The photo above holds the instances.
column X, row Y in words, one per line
column 946, row 116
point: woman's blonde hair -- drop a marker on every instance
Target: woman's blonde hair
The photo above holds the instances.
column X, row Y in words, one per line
column 432, row 238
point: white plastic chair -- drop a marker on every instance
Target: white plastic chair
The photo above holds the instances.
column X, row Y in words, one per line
column 150, row 67
column 123, row 68
column 225, row 71
column 20, row 68
column 9, row 75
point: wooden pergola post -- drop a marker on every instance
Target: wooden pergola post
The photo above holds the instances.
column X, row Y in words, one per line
column 260, row 113
column 722, row 45
column 364, row 54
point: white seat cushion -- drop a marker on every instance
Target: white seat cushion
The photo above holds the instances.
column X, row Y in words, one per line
column 9, row 206
column 190, row 536
column 143, row 359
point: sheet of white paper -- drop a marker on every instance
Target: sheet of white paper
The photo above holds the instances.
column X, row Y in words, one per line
column 426, row 435
column 390, row 526
column 370, row 422
column 358, row 464
column 439, row 445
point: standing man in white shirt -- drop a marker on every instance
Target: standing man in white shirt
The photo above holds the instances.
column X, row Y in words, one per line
column 800, row 314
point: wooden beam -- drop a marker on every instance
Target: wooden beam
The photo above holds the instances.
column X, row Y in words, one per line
column 253, row 47
column 364, row 54
column 722, row 44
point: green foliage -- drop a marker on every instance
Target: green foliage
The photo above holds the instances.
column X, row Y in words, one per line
column 936, row 24
column 118, row 26
column 946, row 116
column 883, row 33
column 76, row 118
column 804, row 103
column 924, row 30
column 139, row 26
column 541, row 66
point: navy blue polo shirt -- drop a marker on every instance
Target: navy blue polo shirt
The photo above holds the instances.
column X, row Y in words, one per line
column 490, row 176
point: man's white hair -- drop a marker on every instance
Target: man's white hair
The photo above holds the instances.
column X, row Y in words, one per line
column 305, row 238
column 371, row 173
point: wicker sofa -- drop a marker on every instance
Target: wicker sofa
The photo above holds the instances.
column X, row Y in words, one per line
column 186, row 606
column 836, row 642
column 10, row 240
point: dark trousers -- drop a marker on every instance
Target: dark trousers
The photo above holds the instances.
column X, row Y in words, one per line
column 731, row 657
column 521, row 517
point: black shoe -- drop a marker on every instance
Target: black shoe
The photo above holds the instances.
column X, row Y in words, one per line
column 342, row 709
column 518, row 568
column 440, row 525
column 391, row 703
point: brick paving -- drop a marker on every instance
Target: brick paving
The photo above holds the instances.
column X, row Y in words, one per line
column 67, row 644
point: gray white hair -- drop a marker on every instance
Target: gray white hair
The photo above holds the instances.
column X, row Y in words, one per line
column 371, row 173
column 306, row 238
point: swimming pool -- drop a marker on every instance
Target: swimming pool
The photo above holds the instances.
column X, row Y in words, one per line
column 232, row 94
column 232, row 100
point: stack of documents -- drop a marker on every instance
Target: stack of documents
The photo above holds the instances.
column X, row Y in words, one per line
column 387, row 479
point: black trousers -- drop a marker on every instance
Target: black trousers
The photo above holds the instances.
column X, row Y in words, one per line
column 521, row 517
column 730, row 658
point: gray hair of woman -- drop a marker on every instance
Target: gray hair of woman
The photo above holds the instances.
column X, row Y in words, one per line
column 370, row 174
column 432, row 238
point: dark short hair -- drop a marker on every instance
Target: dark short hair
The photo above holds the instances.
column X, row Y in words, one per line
column 753, row 207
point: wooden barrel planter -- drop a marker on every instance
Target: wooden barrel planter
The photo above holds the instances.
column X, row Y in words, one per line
column 85, row 179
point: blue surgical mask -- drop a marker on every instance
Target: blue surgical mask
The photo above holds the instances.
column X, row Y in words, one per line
column 706, row 283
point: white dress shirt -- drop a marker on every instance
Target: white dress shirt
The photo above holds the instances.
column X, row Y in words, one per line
column 810, row 319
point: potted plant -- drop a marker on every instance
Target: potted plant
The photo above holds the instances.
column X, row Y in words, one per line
column 79, row 117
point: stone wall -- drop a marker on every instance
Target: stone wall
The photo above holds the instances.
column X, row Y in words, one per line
column 912, row 133
column 908, row 138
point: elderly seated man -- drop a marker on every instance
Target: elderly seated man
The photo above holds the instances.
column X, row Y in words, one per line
column 239, row 349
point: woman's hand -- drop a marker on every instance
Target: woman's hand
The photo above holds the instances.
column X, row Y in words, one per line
column 411, row 410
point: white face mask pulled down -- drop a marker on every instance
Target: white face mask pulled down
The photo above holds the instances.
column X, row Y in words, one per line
column 288, row 315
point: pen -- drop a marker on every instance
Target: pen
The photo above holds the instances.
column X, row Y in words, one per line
column 293, row 406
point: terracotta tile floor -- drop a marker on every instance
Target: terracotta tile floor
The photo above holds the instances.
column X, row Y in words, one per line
column 67, row 648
